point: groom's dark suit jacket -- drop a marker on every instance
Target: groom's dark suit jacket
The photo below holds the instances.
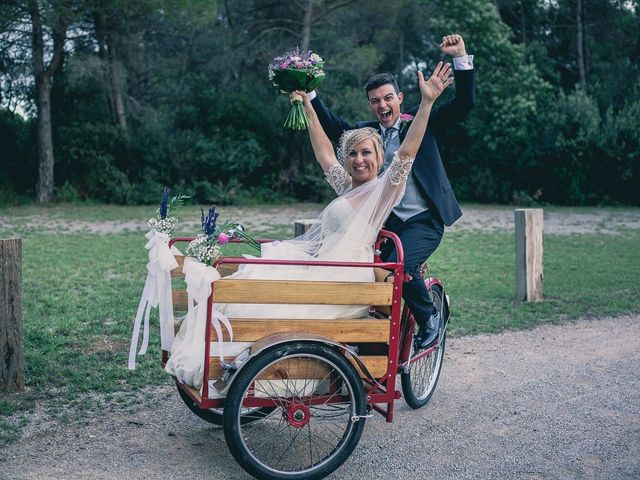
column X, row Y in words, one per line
column 428, row 168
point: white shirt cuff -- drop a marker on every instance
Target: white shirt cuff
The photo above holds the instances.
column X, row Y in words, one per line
column 463, row 63
column 312, row 94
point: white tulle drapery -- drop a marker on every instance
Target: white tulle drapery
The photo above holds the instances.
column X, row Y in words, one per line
column 187, row 358
column 345, row 232
column 155, row 294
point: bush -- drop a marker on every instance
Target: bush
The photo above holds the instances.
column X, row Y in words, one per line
column 67, row 193
column 86, row 157
column 617, row 172
column 18, row 168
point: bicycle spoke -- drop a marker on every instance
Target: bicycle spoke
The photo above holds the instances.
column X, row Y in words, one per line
column 276, row 433
column 310, row 443
column 251, row 426
column 288, row 446
column 311, row 423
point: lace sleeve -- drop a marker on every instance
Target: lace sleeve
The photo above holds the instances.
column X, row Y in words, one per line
column 338, row 178
column 399, row 169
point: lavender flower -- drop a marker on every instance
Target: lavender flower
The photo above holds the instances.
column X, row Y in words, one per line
column 163, row 222
column 209, row 222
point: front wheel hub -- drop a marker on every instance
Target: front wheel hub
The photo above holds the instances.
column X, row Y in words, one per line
column 298, row 415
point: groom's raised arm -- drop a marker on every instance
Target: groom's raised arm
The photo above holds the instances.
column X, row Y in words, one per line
column 456, row 109
column 333, row 126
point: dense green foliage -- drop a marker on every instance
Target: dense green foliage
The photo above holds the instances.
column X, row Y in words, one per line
column 154, row 93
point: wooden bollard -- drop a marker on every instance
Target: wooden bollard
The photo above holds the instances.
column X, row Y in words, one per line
column 529, row 271
column 11, row 352
column 301, row 226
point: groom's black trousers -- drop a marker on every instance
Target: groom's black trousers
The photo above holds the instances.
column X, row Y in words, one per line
column 420, row 236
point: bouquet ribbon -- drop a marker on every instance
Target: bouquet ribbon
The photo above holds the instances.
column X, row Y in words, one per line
column 155, row 294
column 199, row 278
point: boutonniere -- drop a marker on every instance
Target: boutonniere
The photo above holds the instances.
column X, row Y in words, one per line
column 405, row 121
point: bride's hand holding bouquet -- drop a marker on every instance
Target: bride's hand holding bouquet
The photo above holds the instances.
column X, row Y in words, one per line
column 293, row 71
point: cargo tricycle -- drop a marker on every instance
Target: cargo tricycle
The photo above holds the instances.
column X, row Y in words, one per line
column 294, row 403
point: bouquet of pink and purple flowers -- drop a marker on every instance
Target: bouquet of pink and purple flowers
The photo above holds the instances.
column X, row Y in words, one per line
column 292, row 71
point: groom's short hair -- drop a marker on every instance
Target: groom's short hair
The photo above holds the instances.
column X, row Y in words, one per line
column 380, row 79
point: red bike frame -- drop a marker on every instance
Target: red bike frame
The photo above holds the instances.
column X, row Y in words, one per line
column 401, row 327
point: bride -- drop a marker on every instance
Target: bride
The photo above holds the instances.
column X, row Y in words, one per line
column 346, row 229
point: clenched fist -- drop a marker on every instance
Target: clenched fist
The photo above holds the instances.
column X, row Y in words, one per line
column 453, row 45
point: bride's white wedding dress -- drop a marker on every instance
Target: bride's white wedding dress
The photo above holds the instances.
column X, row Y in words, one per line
column 346, row 231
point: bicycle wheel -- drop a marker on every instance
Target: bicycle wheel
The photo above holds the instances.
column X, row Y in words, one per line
column 317, row 393
column 419, row 382
column 214, row 415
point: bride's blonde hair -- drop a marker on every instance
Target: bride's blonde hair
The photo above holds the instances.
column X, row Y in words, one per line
column 351, row 138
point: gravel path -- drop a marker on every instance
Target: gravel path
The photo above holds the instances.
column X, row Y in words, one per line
column 553, row 402
column 475, row 218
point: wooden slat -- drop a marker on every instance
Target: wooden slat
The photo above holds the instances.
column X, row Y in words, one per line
column 350, row 330
column 194, row 392
column 377, row 365
column 177, row 272
column 302, row 292
column 179, row 298
column 299, row 369
column 295, row 292
column 340, row 330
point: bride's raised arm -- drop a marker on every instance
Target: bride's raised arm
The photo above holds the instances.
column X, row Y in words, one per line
column 430, row 91
column 321, row 144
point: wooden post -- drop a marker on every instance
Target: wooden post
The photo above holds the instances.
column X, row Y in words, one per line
column 11, row 356
column 301, row 226
column 529, row 272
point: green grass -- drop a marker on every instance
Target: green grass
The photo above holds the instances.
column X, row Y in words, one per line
column 80, row 293
column 584, row 275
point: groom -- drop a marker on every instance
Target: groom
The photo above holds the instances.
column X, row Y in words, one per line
column 429, row 203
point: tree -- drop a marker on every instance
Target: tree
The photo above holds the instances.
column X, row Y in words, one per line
column 581, row 46
column 57, row 16
column 153, row 92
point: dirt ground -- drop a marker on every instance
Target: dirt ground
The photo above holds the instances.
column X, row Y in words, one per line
column 552, row 402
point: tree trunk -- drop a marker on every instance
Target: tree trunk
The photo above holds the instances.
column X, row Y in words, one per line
column 43, row 76
column 523, row 23
column 582, row 69
column 177, row 111
column 306, row 26
column 44, row 188
column 117, row 97
column 106, row 35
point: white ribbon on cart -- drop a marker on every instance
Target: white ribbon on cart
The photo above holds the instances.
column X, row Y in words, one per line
column 199, row 278
column 187, row 358
column 156, row 294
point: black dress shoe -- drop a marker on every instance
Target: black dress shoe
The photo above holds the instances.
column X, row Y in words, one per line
column 428, row 333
